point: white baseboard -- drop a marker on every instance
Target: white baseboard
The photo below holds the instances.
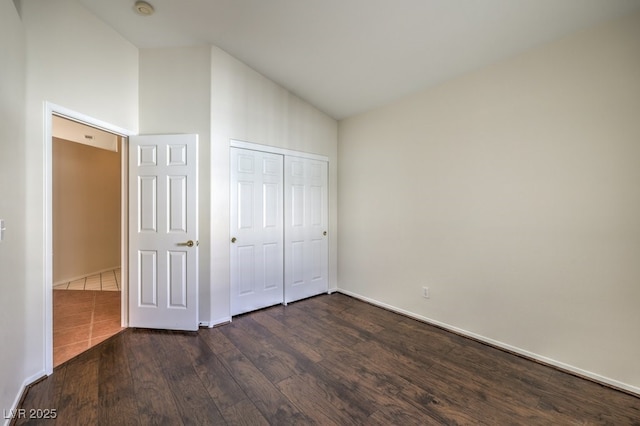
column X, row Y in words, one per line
column 504, row 346
column 67, row 280
column 217, row 322
column 28, row 381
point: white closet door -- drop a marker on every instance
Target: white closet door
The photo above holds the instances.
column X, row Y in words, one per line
column 306, row 224
column 256, row 230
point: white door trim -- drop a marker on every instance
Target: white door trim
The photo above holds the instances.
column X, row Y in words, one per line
column 51, row 109
column 275, row 150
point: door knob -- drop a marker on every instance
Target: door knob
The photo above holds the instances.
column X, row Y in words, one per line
column 324, row 233
column 233, row 240
column 189, row 243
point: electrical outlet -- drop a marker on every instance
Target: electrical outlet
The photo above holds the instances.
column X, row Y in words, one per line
column 425, row 292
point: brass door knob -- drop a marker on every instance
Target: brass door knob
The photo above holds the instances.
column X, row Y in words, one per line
column 189, row 243
column 233, row 240
column 324, row 233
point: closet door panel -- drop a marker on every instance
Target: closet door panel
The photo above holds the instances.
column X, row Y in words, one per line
column 306, row 225
column 256, row 247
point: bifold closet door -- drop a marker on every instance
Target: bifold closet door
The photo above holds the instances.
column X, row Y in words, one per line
column 306, row 250
column 257, row 251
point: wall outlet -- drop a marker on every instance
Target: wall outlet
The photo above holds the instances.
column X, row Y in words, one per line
column 425, row 292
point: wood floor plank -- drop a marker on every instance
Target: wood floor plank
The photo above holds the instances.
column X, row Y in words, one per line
column 220, row 385
column 309, row 336
column 496, row 368
column 400, row 415
column 244, row 413
column 274, row 363
column 351, row 376
column 191, row 397
column 385, row 389
column 275, row 327
column 323, row 403
column 439, row 382
column 153, row 393
column 216, row 341
column 498, row 405
column 448, row 401
column 300, row 321
column 360, row 321
column 421, row 338
column 299, row 357
column 271, row 403
column 115, row 385
column 304, row 368
column 333, row 324
column 78, row 403
column 564, row 395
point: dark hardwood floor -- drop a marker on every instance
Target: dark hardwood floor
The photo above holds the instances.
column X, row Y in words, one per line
column 325, row 360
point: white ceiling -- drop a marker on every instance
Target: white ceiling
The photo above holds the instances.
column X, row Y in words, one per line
column 348, row 56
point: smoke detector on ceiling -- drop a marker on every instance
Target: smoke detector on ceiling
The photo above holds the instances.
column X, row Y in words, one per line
column 143, row 8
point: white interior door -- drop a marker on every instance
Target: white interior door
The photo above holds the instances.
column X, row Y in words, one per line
column 306, row 224
column 163, row 232
column 256, row 247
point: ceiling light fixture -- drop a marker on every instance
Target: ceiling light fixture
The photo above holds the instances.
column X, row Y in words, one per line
column 143, row 8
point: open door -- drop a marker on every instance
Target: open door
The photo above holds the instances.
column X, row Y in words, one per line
column 163, row 232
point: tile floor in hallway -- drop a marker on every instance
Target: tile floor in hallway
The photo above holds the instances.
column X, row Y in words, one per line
column 105, row 281
column 82, row 319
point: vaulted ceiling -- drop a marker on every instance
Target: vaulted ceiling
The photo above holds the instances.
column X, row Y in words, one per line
column 348, row 56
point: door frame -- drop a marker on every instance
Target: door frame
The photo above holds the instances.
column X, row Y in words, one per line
column 50, row 110
column 234, row 143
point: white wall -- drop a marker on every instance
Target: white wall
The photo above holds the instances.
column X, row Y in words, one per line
column 13, row 277
column 175, row 98
column 512, row 192
column 247, row 106
column 78, row 62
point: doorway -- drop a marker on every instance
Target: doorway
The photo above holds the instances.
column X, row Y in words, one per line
column 86, row 237
column 85, row 234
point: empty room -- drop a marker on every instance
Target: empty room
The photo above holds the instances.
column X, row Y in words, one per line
column 361, row 212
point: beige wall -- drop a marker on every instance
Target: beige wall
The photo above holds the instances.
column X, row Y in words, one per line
column 512, row 192
column 175, row 98
column 86, row 210
column 14, row 368
column 247, row 106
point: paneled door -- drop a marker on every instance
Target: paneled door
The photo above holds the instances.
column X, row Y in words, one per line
column 306, row 225
column 256, row 246
column 163, row 232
